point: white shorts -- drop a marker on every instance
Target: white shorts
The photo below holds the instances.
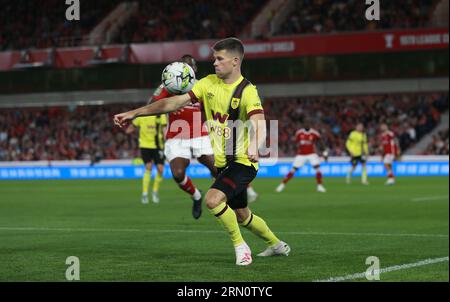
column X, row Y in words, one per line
column 300, row 160
column 187, row 148
column 389, row 159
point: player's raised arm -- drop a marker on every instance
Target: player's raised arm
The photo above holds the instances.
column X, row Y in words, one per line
column 163, row 106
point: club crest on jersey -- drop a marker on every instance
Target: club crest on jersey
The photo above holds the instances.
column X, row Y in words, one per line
column 235, row 103
column 209, row 96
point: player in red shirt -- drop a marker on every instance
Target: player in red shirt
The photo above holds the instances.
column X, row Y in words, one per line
column 390, row 151
column 187, row 137
column 306, row 139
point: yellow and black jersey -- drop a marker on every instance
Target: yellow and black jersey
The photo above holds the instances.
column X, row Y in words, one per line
column 215, row 97
column 356, row 143
column 151, row 134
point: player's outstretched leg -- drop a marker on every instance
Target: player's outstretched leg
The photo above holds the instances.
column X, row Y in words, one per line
column 320, row 187
column 288, row 177
column 178, row 167
column 216, row 203
column 259, row 227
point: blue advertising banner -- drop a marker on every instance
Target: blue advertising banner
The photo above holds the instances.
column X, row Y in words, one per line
column 337, row 169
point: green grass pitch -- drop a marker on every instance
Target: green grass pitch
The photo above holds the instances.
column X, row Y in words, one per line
column 116, row 238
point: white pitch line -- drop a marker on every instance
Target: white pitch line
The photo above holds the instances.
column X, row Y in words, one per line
column 44, row 229
column 427, row 198
column 364, row 234
column 386, row 270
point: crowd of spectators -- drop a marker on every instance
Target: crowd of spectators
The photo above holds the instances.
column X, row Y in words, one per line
column 327, row 16
column 188, row 20
column 87, row 132
column 42, row 23
column 64, row 133
column 410, row 116
column 439, row 144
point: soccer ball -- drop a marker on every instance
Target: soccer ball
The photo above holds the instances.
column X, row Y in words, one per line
column 178, row 78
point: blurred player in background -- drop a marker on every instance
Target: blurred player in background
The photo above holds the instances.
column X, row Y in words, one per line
column 390, row 151
column 306, row 139
column 151, row 144
column 358, row 149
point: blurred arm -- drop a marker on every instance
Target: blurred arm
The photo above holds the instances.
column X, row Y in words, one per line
column 163, row 106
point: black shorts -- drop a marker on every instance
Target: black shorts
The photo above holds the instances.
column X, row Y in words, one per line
column 152, row 155
column 357, row 159
column 233, row 181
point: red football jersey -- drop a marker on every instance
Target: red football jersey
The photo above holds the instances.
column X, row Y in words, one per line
column 388, row 141
column 306, row 141
column 191, row 115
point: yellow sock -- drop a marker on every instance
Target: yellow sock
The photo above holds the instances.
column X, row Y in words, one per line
column 146, row 181
column 227, row 218
column 157, row 182
column 259, row 227
column 364, row 174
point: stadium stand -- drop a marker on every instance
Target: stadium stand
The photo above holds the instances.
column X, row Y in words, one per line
column 63, row 133
column 327, row 16
column 42, row 24
column 32, row 133
column 411, row 116
column 177, row 22
column 439, row 145
column 86, row 132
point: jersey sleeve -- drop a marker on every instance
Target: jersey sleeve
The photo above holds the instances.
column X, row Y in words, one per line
column 136, row 122
column 160, row 93
column 252, row 101
column 198, row 91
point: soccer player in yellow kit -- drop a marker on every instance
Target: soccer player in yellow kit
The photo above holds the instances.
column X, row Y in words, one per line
column 228, row 97
column 358, row 149
column 151, row 144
